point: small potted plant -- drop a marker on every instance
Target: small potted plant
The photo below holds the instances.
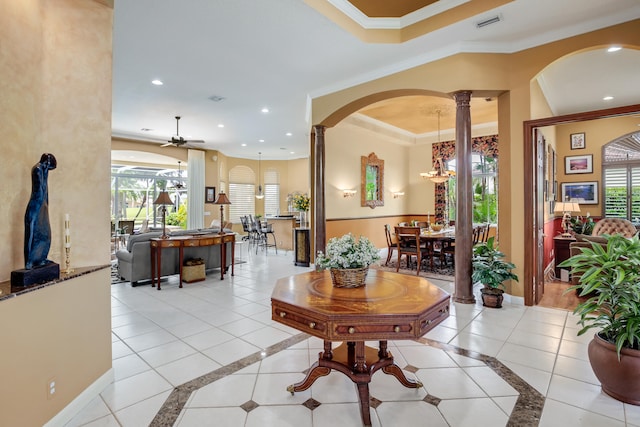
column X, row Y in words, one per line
column 348, row 260
column 581, row 225
column 610, row 278
column 492, row 271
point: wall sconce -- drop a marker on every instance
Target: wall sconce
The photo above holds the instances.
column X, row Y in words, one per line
column 348, row 193
column 397, row 194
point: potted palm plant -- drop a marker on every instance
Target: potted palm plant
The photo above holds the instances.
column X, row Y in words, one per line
column 610, row 277
column 490, row 269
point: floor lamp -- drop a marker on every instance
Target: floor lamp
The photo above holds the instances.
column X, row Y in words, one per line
column 222, row 200
column 163, row 200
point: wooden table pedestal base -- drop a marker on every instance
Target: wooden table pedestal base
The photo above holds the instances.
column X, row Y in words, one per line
column 359, row 363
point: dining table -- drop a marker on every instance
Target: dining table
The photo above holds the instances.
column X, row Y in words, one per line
column 444, row 237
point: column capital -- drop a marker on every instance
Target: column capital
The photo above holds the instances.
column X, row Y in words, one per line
column 462, row 98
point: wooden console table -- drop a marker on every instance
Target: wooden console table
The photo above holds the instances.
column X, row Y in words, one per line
column 390, row 307
column 181, row 242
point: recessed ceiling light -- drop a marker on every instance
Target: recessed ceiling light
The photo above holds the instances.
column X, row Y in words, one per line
column 157, row 82
column 614, row 49
column 288, row 134
column 283, row 148
column 607, row 98
column 220, row 125
column 261, row 140
column 146, row 130
column 265, row 110
column 244, row 145
column 217, row 98
column 293, row 152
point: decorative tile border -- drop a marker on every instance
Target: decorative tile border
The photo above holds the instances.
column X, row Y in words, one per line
column 527, row 410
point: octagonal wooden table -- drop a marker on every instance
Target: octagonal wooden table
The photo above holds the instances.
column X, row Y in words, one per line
column 390, row 306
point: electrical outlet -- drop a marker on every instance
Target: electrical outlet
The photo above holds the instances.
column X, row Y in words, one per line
column 51, row 388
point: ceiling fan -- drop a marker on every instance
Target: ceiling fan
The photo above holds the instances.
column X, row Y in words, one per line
column 179, row 141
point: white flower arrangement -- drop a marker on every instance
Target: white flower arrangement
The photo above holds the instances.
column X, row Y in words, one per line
column 346, row 252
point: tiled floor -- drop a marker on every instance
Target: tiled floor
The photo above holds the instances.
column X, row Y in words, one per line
column 212, row 351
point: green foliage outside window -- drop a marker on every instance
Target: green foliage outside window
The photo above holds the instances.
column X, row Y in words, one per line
column 485, row 190
column 178, row 218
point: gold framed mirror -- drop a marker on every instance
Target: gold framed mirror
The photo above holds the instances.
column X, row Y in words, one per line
column 371, row 181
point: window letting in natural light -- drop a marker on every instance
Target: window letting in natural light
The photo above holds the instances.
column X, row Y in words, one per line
column 241, row 193
column 621, row 178
column 484, row 179
column 271, row 192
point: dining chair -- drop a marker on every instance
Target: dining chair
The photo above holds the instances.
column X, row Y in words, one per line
column 485, row 232
column 408, row 244
column 391, row 244
column 448, row 251
column 478, row 231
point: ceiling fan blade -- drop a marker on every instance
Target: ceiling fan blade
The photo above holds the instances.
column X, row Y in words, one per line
column 199, row 141
column 167, row 144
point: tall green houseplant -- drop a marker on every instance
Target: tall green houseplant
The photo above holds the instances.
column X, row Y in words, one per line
column 611, row 277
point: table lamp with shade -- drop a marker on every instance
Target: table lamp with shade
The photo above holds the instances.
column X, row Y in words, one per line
column 566, row 208
column 222, row 200
column 163, row 200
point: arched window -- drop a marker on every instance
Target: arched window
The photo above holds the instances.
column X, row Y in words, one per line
column 241, row 193
column 271, row 192
column 621, row 177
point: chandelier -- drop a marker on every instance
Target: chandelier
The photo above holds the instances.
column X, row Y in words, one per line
column 259, row 194
column 438, row 174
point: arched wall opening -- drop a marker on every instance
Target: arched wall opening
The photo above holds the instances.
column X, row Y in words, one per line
column 548, row 137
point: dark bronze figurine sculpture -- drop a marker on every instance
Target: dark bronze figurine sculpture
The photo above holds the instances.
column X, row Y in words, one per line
column 37, row 229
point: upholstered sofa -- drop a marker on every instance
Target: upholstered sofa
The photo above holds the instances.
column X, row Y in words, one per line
column 134, row 262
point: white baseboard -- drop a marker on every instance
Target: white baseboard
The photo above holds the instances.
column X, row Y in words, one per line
column 82, row 400
column 514, row 300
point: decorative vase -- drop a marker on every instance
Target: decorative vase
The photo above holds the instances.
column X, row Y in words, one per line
column 303, row 219
column 491, row 297
column 349, row 277
column 620, row 379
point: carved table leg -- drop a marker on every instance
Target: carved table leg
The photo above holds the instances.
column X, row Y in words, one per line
column 328, row 354
column 383, row 353
column 397, row 372
column 314, row 373
column 365, row 410
column 361, row 361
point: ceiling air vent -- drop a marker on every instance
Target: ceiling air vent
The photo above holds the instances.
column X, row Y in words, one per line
column 488, row 21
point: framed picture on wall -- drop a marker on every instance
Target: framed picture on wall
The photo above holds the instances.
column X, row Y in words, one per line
column 578, row 141
column 209, row 194
column 578, row 164
column 587, row 192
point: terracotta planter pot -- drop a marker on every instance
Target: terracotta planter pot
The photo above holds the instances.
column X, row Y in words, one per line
column 619, row 379
column 492, row 298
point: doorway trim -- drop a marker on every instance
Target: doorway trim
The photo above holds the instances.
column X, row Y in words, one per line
column 533, row 270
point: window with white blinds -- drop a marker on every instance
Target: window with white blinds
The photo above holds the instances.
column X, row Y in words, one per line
column 241, row 193
column 621, row 177
column 622, row 192
column 271, row 192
